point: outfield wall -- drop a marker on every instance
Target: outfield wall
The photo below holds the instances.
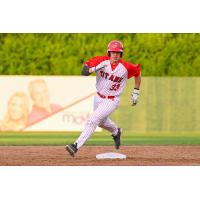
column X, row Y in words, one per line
column 45, row 103
column 166, row 105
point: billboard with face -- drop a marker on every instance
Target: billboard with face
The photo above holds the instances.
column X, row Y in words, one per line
column 45, row 103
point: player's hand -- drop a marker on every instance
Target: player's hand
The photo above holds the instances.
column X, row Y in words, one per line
column 97, row 68
column 135, row 96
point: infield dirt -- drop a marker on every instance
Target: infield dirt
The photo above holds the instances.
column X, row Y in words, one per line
column 136, row 156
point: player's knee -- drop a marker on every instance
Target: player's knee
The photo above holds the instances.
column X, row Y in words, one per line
column 93, row 122
column 101, row 124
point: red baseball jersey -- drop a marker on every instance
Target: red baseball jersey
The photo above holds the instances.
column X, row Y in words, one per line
column 112, row 79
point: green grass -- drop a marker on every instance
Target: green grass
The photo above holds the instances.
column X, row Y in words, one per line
column 15, row 139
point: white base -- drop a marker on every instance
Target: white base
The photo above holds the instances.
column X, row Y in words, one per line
column 110, row 155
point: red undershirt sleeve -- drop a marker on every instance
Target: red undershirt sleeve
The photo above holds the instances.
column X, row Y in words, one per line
column 93, row 62
column 133, row 70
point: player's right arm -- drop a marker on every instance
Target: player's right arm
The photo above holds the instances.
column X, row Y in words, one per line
column 86, row 71
column 93, row 65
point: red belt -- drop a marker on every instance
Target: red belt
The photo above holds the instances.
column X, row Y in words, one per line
column 105, row 97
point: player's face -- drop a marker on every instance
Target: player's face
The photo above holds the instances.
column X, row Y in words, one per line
column 40, row 95
column 15, row 108
column 115, row 57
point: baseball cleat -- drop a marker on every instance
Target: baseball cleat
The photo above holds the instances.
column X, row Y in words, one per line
column 117, row 137
column 72, row 149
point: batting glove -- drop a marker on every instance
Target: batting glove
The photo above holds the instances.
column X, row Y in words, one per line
column 97, row 68
column 135, row 96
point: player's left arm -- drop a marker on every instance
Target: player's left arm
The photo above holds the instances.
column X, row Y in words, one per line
column 134, row 71
column 136, row 90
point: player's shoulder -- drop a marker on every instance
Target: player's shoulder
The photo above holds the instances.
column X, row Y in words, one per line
column 132, row 69
column 100, row 58
column 128, row 65
column 96, row 60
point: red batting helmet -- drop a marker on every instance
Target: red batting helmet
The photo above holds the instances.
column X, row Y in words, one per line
column 116, row 46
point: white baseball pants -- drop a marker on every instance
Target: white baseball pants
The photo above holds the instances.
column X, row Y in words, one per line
column 102, row 109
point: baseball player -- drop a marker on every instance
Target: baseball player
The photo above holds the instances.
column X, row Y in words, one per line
column 111, row 75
